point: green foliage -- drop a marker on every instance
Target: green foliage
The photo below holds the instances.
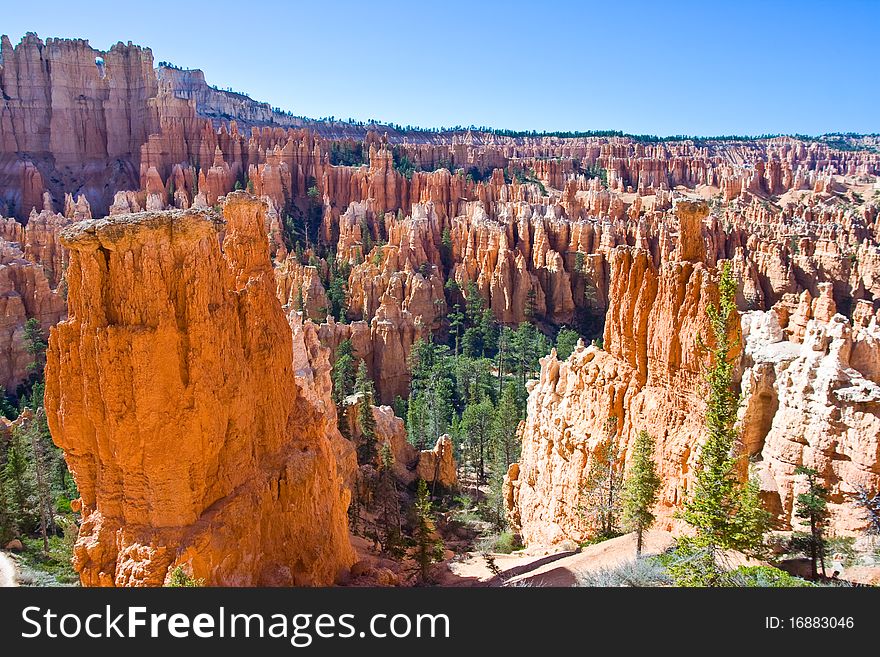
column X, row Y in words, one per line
column 367, row 445
column 313, row 192
column 507, row 417
column 596, row 171
column 503, row 543
column 566, row 341
column 35, row 345
column 641, row 573
column 600, row 503
column 640, row 488
column 52, row 567
column 811, row 507
column 427, row 548
column 388, row 502
column 344, row 372
column 446, row 249
column 476, row 429
column 724, row 511
column 338, row 292
column 432, row 385
column 402, row 163
column 347, row 153
column 181, row 579
column 762, row 577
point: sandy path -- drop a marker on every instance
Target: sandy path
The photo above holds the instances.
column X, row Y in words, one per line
column 7, row 571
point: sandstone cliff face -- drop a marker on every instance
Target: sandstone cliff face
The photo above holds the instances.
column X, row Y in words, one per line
column 809, row 383
column 813, row 402
column 173, row 392
column 25, row 293
column 646, row 377
column 410, row 465
column 73, row 119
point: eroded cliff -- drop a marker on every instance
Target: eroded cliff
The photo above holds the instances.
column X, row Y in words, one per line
column 172, row 390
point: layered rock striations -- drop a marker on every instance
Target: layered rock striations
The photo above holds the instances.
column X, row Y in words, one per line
column 813, row 401
column 172, row 390
column 647, row 377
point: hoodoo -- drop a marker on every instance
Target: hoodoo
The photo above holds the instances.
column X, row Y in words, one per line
column 172, row 390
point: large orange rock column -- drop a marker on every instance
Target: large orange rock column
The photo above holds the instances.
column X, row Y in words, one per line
column 172, row 391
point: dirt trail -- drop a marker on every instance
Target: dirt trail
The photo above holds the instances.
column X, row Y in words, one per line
column 7, row 571
column 557, row 569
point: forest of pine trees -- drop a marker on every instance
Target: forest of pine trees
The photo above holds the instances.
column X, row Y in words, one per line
column 35, row 486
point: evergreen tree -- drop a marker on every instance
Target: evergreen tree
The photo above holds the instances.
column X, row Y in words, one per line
column 640, row 488
column 18, row 482
column 566, row 341
column 600, row 493
column 476, row 426
column 42, row 491
column 8, row 527
column 417, row 422
column 388, row 505
column 446, row 249
column 35, row 345
column 504, row 426
column 724, row 511
column 343, row 374
column 812, row 507
column 367, row 448
column 427, row 548
column 456, row 326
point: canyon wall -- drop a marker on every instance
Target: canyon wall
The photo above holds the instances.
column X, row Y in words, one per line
column 810, row 393
column 172, row 390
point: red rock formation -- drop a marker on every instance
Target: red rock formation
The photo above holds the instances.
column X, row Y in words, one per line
column 201, row 448
column 647, row 378
column 25, row 293
column 72, row 118
column 410, row 464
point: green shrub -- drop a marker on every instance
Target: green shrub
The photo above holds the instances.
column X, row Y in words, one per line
column 762, row 577
column 180, row 579
column 639, row 573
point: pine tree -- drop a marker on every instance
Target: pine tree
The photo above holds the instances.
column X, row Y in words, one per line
column 427, row 548
column 504, row 427
column 600, row 493
column 8, row 528
column 476, row 425
column 640, row 488
column 42, row 489
column 566, row 341
column 18, row 482
column 366, row 450
column 724, row 511
column 388, row 505
column 35, row 345
column 343, row 374
column 812, row 507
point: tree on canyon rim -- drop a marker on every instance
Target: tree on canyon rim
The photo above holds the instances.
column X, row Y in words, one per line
column 724, row 511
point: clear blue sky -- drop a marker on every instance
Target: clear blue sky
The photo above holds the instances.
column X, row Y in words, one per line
column 665, row 67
